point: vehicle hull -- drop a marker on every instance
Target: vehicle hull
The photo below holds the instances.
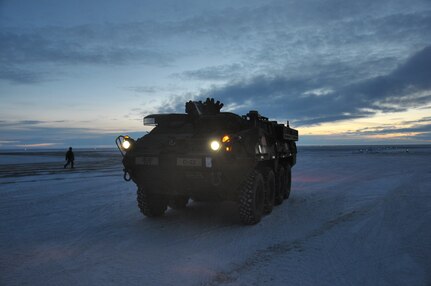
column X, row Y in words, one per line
column 194, row 175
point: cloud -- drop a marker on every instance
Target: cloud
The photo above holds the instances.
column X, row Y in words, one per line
column 323, row 97
column 213, row 73
column 424, row 119
column 423, row 128
column 26, row 56
column 34, row 133
column 37, row 145
column 174, row 104
column 82, row 44
column 142, row 89
column 19, row 123
column 289, row 36
column 409, row 131
column 18, row 75
column 406, row 86
column 23, row 124
column 287, row 55
column 302, row 37
column 154, row 89
column 405, row 132
column 409, row 78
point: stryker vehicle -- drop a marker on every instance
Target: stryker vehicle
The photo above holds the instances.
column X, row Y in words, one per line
column 208, row 155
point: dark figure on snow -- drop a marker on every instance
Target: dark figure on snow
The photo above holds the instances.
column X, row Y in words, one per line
column 69, row 158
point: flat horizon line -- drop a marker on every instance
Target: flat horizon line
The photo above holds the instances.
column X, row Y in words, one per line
column 299, row 145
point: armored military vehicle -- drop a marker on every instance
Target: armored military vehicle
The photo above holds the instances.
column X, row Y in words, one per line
column 208, row 155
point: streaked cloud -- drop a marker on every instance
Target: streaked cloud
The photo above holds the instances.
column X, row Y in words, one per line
column 36, row 135
column 383, row 130
column 213, row 73
column 37, row 145
column 406, row 86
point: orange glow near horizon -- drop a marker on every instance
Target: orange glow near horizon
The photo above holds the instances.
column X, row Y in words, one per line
column 393, row 135
column 380, row 121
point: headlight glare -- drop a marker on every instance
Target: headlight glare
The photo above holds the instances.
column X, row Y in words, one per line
column 126, row 144
column 215, row 145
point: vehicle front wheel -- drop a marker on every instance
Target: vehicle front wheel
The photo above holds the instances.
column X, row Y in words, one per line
column 251, row 199
column 150, row 204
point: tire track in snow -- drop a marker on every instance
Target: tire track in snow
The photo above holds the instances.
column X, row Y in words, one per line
column 273, row 251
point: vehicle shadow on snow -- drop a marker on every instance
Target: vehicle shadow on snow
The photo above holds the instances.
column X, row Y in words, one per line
column 217, row 214
column 203, row 213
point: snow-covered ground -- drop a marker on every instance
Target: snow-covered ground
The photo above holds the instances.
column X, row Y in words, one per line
column 354, row 218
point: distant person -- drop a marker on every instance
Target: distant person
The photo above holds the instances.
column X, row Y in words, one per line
column 69, row 158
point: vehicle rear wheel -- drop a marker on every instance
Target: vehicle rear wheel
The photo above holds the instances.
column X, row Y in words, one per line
column 151, row 205
column 251, row 199
column 269, row 190
column 178, row 202
column 280, row 186
column 288, row 181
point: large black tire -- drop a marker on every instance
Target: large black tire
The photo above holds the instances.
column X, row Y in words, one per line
column 178, row 202
column 151, row 205
column 288, row 181
column 280, row 186
column 269, row 190
column 252, row 199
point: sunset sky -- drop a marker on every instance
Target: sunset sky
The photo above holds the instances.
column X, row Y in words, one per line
column 78, row 73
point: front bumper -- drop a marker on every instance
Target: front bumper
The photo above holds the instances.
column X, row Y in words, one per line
column 189, row 174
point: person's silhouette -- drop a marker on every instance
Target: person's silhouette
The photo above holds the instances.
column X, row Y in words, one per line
column 69, row 158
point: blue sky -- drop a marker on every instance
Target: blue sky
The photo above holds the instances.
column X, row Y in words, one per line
column 343, row 72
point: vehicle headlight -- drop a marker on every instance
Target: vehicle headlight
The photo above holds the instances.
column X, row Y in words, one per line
column 126, row 144
column 215, row 145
